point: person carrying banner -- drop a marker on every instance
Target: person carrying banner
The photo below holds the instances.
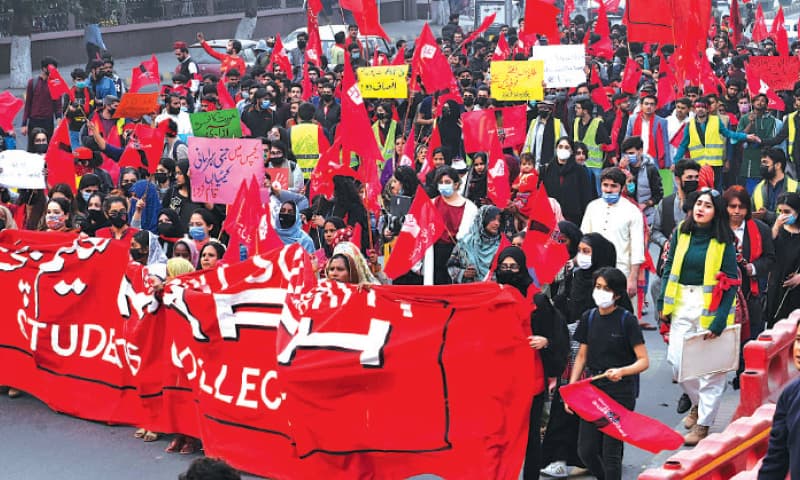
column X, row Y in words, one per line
column 697, row 296
column 612, row 345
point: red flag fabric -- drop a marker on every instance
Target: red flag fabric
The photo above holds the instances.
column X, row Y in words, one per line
column 631, row 76
column 314, row 47
column 354, row 119
column 612, row 5
column 355, row 237
column 59, row 159
column 666, row 87
column 504, row 242
column 423, row 225
column 594, row 406
column 241, row 224
column 58, row 87
column 328, row 166
column 600, row 97
column 705, row 179
column 542, row 17
column 485, row 24
column 760, row 26
column 430, row 63
column 498, row 185
column 649, row 21
column 602, row 48
column 543, row 250
column 145, row 148
column 676, row 139
column 315, row 6
column 778, row 33
column 145, row 74
column 434, row 142
column 480, row 125
column 569, row 7
column 400, row 56
column 370, row 179
column 365, row 13
column 757, row 85
column 224, row 96
column 280, row 57
column 409, row 157
column 501, row 51
column 9, row 107
column 735, row 23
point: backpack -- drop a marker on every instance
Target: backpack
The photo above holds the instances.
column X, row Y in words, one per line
column 625, row 313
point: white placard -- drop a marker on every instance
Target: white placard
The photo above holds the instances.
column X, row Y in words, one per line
column 20, row 169
column 702, row 357
column 563, row 64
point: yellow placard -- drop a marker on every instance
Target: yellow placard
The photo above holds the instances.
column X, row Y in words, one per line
column 383, row 82
column 517, row 80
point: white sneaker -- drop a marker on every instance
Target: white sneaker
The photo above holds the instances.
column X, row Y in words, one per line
column 556, row 469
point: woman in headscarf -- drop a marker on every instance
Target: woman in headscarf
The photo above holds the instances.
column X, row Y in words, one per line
column 146, row 250
column 393, row 163
column 145, row 206
column 331, row 231
column 349, row 266
column 567, row 182
column 475, row 182
column 89, row 184
column 186, row 249
column 472, row 257
column 783, row 296
column 450, row 128
column 169, row 229
column 385, row 131
column 289, row 228
column 94, row 219
column 347, row 204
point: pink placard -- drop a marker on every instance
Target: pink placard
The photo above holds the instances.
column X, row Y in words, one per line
column 217, row 167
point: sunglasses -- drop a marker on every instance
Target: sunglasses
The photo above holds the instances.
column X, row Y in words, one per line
column 714, row 193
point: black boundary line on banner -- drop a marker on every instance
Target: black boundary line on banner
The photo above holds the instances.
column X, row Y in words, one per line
column 447, row 445
column 248, row 427
column 69, row 375
column 161, row 392
column 631, row 21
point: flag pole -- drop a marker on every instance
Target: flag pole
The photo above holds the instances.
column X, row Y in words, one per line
column 598, row 377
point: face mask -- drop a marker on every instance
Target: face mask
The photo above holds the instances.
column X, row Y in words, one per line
column 482, row 101
column 286, row 219
column 118, row 219
column 112, row 111
column 766, row 172
column 126, row 187
column 80, row 84
column 245, row 95
column 563, row 154
column 689, row 186
column 265, row 104
column 197, row 233
column 469, row 101
column 466, row 82
column 161, row 177
column 583, row 261
column 631, row 188
column 97, row 217
column 168, row 230
column 184, row 109
column 276, row 160
column 55, row 221
column 138, row 255
column 446, row 189
column 602, row 298
column 326, row 97
column 301, row 44
column 633, row 159
column 544, row 113
column 744, row 109
column 507, row 277
column 86, row 196
column 40, row 148
column 173, row 111
column 791, row 220
column 355, row 55
column 611, row 198
column 383, row 116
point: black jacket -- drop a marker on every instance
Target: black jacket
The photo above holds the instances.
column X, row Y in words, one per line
column 569, row 185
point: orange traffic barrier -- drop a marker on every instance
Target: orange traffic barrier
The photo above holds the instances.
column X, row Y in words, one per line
column 768, row 366
column 720, row 455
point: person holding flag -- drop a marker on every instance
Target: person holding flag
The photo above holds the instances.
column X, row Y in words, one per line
column 41, row 106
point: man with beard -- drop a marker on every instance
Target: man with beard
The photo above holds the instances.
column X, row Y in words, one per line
column 297, row 56
column 173, row 111
column 259, row 117
column 774, row 184
column 186, row 66
column 228, row 60
column 763, row 124
column 543, row 133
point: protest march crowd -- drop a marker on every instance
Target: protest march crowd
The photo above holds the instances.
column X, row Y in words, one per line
column 480, row 164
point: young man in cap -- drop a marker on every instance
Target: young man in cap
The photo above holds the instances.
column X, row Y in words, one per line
column 186, row 66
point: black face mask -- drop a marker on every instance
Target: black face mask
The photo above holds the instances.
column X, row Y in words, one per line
column 482, row 101
column 118, row 219
column 466, row 82
column 469, row 101
column 40, row 148
column 112, row 111
column 161, row 177
column 97, row 217
column 139, row 255
column 326, row 98
column 689, row 186
column 276, row 160
column 173, row 111
column 383, row 116
column 169, row 230
column 767, row 172
column 508, row 277
column 286, row 219
column 301, row 44
column 126, row 187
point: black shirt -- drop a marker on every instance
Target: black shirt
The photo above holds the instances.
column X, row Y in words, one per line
column 610, row 340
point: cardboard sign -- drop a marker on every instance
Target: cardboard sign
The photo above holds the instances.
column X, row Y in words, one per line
column 563, row 64
column 20, row 169
column 280, row 175
column 383, row 82
column 217, row 166
column 217, row 124
column 515, row 80
column 779, row 73
column 136, row 105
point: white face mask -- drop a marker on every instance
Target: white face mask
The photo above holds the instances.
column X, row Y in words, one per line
column 583, row 261
column 602, row 298
column 563, row 154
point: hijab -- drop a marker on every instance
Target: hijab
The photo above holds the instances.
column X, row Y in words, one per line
column 194, row 254
column 149, row 193
column 478, row 246
column 352, row 252
column 520, row 280
column 295, row 233
column 573, row 234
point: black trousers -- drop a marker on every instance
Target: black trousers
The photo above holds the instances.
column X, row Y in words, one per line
column 560, row 441
column 441, row 254
column 533, row 453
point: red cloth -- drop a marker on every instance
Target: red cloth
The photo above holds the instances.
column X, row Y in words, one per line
column 249, row 223
column 145, row 74
column 724, row 283
column 313, row 51
column 569, row 7
column 631, row 76
column 355, row 121
column 58, row 87
column 148, row 142
column 735, row 23
column 451, row 216
column 430, row 64
column 59, row 160
column 757, row 85
column 543, row 250
column 667, row 84
column 756, row 250
column 760, row 32
column 328, row 166
column 603, row 47
column 542, row 17
column 498, row 184
column 655, row 147
column 9, row 108
column 280, row 57
column 778, row 33
column 434, row 142
column 501, row 50
column 485, row 24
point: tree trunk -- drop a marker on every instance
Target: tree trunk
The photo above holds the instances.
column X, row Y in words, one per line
column 20, row 55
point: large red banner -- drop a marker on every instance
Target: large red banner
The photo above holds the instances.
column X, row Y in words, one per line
column 279, row 377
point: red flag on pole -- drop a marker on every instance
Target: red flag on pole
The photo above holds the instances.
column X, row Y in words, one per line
column 9, row 107
column 365, row 13
column 280, row 57
column 409, row 156
column 58, row 87
column 314, row 47
column 145, row 74
column 649, row 21
column 485, row 24
column 631, row 76
column 328, row 166
column 501, row 51
column 666, row 84
column 422, row 227
column 59, row 159
column 778, row 33
column 241, row 223
column 145, row 147
column 543, row 250
column 430, row 63
column 498, row 186
column 760, row 26
column 593, row 405
column 400, row 56
column 434, row 142
column 315, row 6
column 735, row 23
column 569, row 7
column 601, row 48
column 757, row 85
column 354, row 119
column 542, row 17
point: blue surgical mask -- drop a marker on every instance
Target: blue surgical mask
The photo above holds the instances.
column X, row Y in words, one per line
column 265, row 104
column 245, row 95
column 184, row 108
column 791, row 220
column 631, row 188
column 633, row 159
column 197, row 233
column 611, row 198
column 355, row 55
column 86, row 196
column 81, row 84
column 446, row 189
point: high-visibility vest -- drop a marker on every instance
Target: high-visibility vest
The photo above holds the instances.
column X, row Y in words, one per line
column 387, row 147
column 595, row 159
column 792, row 133
column 711, row 152
column 305, row 146
column 761, row 188
column 712, row 266
column 530, row 141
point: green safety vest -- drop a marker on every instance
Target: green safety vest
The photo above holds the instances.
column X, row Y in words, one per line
column 387, row 148
column 595, row 159
column 305, row 146
column 711, row 152
column 761, row 188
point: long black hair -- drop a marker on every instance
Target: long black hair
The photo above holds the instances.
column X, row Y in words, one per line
column 720, row 224
column 618, row 284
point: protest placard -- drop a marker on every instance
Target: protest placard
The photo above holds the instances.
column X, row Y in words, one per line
column 135, row 105
column 383, row 82
column 280, row 175
column 217, row 124
column 517, row 80
column 563, row 64
column 217, row 166
column 779, row 73
column 20, row 169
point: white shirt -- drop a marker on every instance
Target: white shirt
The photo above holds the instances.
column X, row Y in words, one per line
column 645, row 135
column 621, row 224
column 182, row 119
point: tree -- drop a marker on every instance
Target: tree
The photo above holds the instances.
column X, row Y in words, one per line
column 21, row 27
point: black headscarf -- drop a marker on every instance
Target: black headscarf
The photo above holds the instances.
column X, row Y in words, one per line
column 580, row 296
column 604, row 254
column 520, row 280
column 573, row 234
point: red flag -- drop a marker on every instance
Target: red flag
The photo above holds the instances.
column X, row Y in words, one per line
column 400, row 56
column 58, row 87
column 705, row 179
column 224, row 96
column 760, row 26
column 666, row 84
column 355, row 237
column 498, row 186
column 735, row 23
column 649, row 21
column 757, row 85
column 365, row 13
column 370, row 179
column 145, row 74
column 542, row 17
column 779, row 34
column 328, row 166
column 612, row 5
column 241, row 223
column 280, row 57
column 355, row 121
column 478, row 128
column 315, row 6
column 314, row 48
column 631, row 76
column 430, row 63
column 504, row 243
column 59, row 159
column 601, row 48
column 676, row 139
column 600, row 97
column 145, row 147
column 306, row 83
column 708, row 79
column 501, row 51
column 434, row 142
column 409, row 156
column 543, row 250
column 569, row 7
column 9, row 107
column 485, row 24
column 422, row 227
column 593, row 405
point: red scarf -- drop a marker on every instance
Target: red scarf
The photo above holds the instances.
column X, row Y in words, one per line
column 615, row 128
column 655, row 147
column 754, row 234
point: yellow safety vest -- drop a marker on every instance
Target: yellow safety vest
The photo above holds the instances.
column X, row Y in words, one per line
column 305, row 146
column 792, row 133
column 528, row 147
column 595, row 159
column 387, row 148
column 713, row 265
column 758, row 193
column 711, row 152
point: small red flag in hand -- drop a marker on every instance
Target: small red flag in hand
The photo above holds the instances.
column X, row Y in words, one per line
column 594, row 406
column 501, row 51
column 498, row 187
column 543, row 250
column 430, row 64
column 280, row 57
column 58, row 87
column 59, row 159
column 145, row 74
column 485, row 24
column 422, row 227
column 9, row 107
